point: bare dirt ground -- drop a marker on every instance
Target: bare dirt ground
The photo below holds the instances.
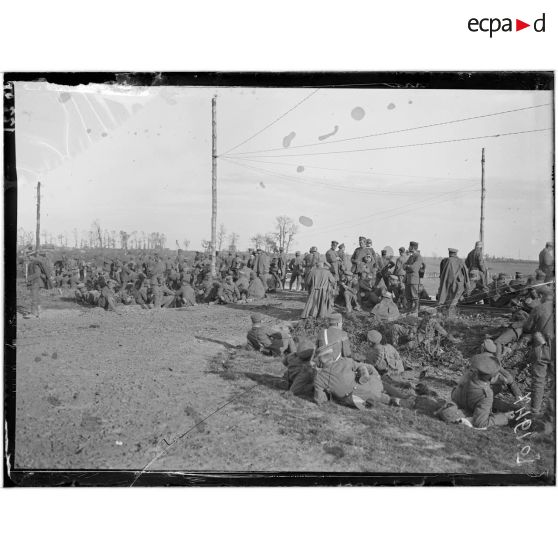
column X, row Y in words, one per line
column 98, row 390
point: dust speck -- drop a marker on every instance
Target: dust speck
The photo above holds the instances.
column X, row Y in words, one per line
column 357, row 113
column 287, row 140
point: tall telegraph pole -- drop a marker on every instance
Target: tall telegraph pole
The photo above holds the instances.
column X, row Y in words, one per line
column 483, row 193
column 38, row 230
column 213, row 182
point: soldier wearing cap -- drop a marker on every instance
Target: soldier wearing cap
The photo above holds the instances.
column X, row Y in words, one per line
column 335, row 337
column 382, row 260
column 387, row 361
column 386, row 310
column 106, row 299
column 361, row 252
column 332, row 258
column 344, row 259
column 546, row 261
column 348, row 382
column 320, row 285
column 185, row 295
column 475, row 261
column 454, row 281
column 267, row 339
column 228, row 292
column 261, row 266
column 301, row 370
column 282, row 265
column 311, row 262
column 400, row 264
column 412, row 280
column 474, row 395
column 349, row 286
column 542, row 327
column 296, row 267
column 367, row 265
column 37, row 277
column 505, row 378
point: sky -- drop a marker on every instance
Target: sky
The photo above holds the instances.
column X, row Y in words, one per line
column 139, row 159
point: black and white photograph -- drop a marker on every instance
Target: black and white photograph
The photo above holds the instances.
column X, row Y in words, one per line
column 279, row 278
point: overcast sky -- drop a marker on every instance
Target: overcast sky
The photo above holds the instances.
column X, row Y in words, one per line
column 139, row 159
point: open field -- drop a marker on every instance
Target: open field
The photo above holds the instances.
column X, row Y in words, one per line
column 103, row 390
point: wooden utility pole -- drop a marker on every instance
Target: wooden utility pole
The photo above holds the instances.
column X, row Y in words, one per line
column 213, row 182
column 483, row 193
column 38, row 231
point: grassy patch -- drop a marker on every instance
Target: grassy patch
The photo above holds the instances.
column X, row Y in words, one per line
column 382, row 439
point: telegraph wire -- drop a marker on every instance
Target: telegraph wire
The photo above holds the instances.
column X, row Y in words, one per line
column 352, row 171
column 330, row 185
column 422, row 127
column 386, row 147
column 270, row 124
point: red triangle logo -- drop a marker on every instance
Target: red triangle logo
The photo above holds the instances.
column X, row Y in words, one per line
column 519, row 25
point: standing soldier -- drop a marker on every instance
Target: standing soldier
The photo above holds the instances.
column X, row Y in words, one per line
column 454, row 280
column 311, row 261
column 332, row 258
column 475, row 261
column 546, row 261
column 412, row 279
column 400, row 265
column 360, row 253
column 296, row 267
column 282, row 262
column 344, row 259
column 320, row 285
column 541, row 325
column 37, row 278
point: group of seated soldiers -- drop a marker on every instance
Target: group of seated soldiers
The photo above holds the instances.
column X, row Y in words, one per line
column 329, row 369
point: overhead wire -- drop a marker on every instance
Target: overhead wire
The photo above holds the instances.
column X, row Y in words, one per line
column 387, row 147
column 353, row 171
column 421, row 127
column 270, row 124
column 329, row 185
column 390, row 212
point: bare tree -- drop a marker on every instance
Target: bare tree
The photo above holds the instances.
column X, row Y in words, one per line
column 258, row 241
column 206, row 245
column 221, row 234
column 286, row 229
column 270, row 242
column 24, row 237
column 186, row 243
column 97, row 232
column 233, row 239
column 124, row 236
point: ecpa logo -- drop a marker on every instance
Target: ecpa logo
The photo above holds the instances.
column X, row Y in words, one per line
column 494, row 24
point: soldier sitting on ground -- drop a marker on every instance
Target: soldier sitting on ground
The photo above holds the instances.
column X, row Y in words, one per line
column 348, row 382
column 335, row 337
column 387, row 361
column 505, row 379
column 386, row 310
column 268, row 340
column 301, row 370
column 349, row 291
column 474, row 395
